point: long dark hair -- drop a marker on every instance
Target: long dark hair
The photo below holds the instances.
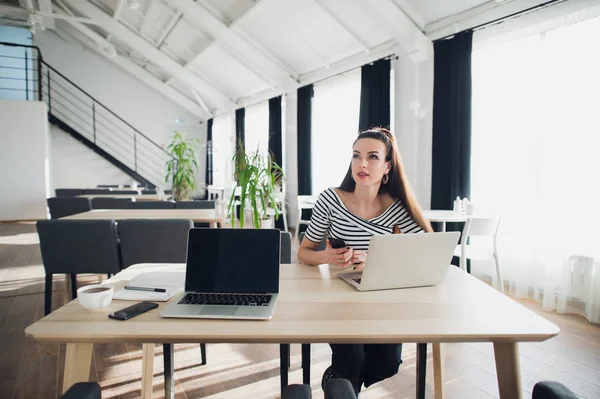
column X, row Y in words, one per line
column 397, row 185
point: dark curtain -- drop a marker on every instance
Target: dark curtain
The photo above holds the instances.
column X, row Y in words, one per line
column 240, row 128
column 209, row 153
column 275, row 139
column 375, row 95
column 305, row 95
column 451, row 153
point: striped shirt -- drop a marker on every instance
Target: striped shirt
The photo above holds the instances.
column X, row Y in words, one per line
column 331, row 218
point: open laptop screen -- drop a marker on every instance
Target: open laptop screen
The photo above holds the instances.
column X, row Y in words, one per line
column 233, row 260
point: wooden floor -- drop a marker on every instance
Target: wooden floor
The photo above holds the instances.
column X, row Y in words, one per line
column 32, row 370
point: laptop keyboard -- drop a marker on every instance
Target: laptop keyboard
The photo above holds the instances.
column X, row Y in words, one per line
column 358, row 279
column 226, row 299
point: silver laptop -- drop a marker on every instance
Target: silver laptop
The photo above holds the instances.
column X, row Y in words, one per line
column 405, row 260
column 230, row 274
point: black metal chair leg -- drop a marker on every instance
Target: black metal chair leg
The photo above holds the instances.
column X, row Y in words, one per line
column 73, row 286
column 421, row 369
column 284, row 355
column 306, row 364
column 203, row 354
column 48, row 295
column 168, row 371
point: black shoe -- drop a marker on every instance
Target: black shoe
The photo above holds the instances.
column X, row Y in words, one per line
column 327, row 375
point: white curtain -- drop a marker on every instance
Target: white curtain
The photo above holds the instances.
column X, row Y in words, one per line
column 257, row 127
column 335, row 113
column 536, row 135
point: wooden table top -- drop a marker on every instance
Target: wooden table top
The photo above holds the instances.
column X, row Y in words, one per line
column 315, row 306
column 197, row 215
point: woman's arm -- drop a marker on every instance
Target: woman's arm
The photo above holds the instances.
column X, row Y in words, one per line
column 308, row 254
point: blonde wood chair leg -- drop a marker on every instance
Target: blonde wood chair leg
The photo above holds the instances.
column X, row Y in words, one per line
column 147, row 370
column 438, row 370
column 214, row 225
column 78, row 361
column 508, row 370
column 68, row 288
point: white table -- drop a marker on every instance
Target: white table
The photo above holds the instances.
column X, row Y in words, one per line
column 444, row 216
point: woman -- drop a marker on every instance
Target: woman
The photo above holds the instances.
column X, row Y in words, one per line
column 374, row 198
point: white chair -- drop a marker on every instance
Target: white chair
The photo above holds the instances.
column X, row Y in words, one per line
column 479, row 227
column 304, row 202
column 280, row 198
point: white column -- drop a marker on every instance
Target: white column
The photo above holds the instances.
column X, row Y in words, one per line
column 290, row 130
column 414, row 84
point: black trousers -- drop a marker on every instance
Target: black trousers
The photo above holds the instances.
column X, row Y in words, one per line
column 365, row 363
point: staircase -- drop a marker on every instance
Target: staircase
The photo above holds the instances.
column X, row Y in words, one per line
column 82, row 116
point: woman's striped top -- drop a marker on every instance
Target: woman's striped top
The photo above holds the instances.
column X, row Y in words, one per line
column 331, row 218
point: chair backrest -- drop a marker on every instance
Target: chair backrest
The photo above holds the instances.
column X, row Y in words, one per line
column 68, row 192
column 286, row 248
column 322, row 244
column 148, row 191
column 195, row 205
column 153, row 241
column 111, row 203
column 79, row 246
column 108, row 186
column 125, row 192
column 481, row 227
column 65, row 206
column 100, row 191
column 152, row 205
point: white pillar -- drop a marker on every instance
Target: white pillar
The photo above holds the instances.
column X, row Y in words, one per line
column 290, row 130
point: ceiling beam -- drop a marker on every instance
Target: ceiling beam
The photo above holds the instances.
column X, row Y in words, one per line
column 46, row 6
column 402, row 28
column 152, row 54
column 200, row 101
column 146, row 77
column 253, row 59
column 147, row 21
column 118, row 9
column 342, row 24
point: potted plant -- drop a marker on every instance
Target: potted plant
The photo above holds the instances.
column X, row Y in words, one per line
column 182, row 166
column 259, row 179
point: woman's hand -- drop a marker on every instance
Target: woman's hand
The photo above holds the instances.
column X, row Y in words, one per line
column 358, row 259
column 341, row 257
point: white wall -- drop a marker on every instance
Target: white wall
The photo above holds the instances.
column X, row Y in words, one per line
column 414, row 81
column 23, row 160
column 141, row 106
column 73, row 165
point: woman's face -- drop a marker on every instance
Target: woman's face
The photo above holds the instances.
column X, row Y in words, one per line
column 368, row 162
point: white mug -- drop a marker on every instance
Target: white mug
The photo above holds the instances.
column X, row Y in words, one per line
column 95, row 296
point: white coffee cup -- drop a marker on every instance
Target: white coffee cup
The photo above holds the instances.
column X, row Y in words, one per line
column 95, row 296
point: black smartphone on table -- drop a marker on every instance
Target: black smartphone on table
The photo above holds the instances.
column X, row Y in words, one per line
column 132, row 311
column 336, row 243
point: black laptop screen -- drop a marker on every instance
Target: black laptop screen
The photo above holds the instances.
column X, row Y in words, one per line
column 233, row 260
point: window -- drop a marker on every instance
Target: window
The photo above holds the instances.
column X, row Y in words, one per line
column 535, row 153
column 222, row 148
column 257, row 127
column 335, row 114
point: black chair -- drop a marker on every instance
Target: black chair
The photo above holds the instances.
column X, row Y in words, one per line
column 77, row 246
column 83, row 390
column 125, row 192
column 321, row 246
column 107, row 186
column 338, row 388
column 153, row 241
column 286, row 248
column 111, row 203
column 195, row 205
column 148, row 191
column 66, row 206
column 68, row 192
column 152, row 205
column 96, row 191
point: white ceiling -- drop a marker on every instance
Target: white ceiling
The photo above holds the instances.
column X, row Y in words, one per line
column 224, row 54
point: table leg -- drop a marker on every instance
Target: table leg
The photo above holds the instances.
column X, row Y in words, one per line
column 438, row 370
column 213, row 225
column 421, row 369
column 284, row 355
column 78, row 362
column 508, row 370
column 168, row 371
column 306, row 364
column 443, row 226
column 68, row 288
column 147, row 370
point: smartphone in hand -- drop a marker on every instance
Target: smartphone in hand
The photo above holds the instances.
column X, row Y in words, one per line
column 336, row 243
column 132, row 311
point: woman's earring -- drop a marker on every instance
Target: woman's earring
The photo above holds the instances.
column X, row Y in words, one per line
column 385, row 179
